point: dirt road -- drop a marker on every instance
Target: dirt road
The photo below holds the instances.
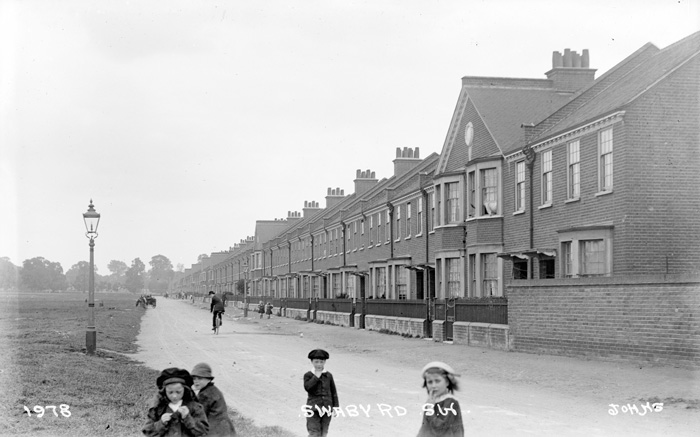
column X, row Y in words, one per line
column 259, row 365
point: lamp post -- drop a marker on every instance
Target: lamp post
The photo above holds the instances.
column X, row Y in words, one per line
column 92, row 219
column 245, row 291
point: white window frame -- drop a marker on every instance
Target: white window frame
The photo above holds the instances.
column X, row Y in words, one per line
column 519, row 200
column 452, row 203
column 387, row 228
column 572, row 244
column 573, row 170
column 402, row 285
column 605, row 160
column 547, row 183
column 453, row 277
column 477, row 183
column 408, row 220
column 419, row 217
column 397, row 211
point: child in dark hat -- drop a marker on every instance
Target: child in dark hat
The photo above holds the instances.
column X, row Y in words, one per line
column 211, row 398
column 175, row 411
column 322, row 396
column 442, row 415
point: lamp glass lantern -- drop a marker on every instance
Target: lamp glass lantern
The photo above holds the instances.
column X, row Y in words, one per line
column 92, row 219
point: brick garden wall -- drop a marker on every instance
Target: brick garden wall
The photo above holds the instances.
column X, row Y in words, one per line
column 652, row 319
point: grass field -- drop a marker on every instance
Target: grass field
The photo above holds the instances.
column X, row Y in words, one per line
column 44, row 364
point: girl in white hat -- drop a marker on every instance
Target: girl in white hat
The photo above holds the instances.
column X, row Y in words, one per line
column 442, row 415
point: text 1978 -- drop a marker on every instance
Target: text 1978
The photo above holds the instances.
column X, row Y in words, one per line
column 64, row 409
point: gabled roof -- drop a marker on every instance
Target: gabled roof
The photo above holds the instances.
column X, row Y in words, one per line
column 503, row 104
column 622, row 85
column 505, row 109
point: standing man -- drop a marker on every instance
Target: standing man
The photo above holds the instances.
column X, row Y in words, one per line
column 217, row 308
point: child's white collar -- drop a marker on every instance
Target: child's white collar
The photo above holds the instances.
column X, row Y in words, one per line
column 313, row 370
column 443, row 397
column 176, row 405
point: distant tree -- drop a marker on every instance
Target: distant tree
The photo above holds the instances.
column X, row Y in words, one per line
column 160, row 274
column 135, row 276
column 239, row 286
column 202, row 257
column 79, row 275
column 9, row 274
column 117, row 268
column 180, row 267
column 41, row 274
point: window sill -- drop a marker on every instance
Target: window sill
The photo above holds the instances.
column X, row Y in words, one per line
column 575, row 199
column 484, row 217
column 407, row 238
column 419, row 235
column 522, row 211
column 602, row 193
column 449, row 225
column 545, row 206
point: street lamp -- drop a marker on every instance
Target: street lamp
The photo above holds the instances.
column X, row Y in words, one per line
column 92, row 219
column 245, row 291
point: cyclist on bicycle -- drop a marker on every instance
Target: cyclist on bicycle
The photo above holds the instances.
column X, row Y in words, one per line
column 217, row 308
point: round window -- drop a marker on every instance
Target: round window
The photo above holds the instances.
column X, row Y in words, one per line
column 469, row 134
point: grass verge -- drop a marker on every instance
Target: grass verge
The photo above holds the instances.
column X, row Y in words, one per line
column 104, row 394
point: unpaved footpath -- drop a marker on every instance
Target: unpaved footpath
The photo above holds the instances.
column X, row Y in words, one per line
column 259, row 363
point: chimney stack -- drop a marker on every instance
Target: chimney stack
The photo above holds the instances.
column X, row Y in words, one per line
column 571, row 72
column 406, row 160
column 310, row 208
column 334, row 197
column 364, row 181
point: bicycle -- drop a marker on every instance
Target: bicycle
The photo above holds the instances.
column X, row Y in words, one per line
column 217, row 321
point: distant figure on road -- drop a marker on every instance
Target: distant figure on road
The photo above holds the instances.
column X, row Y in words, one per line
column 175, row 411
column 213, row 401
column 322, row 395
column 442, row 415
column 217, row 308
column 268, row 309
column 261, row 308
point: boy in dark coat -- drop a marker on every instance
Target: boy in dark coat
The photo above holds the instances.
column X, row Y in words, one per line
column 175, row 411
column 211, row 398
column 322, row 395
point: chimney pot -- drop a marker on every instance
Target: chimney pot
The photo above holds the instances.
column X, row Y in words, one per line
column 585, row 59
column 567, row 58
column 329, row 191
column 557, row 61
column 398, row 152
column 576, row 60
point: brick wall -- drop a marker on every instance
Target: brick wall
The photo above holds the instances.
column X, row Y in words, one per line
column 652, row 319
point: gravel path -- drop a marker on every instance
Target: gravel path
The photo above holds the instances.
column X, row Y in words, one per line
column 259, row 365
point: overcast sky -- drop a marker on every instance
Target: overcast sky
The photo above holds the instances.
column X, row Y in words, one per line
column 187, row 121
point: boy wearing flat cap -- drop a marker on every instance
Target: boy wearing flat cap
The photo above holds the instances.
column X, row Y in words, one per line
column 322, row 395
column 175, row 411
column 213, row 401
